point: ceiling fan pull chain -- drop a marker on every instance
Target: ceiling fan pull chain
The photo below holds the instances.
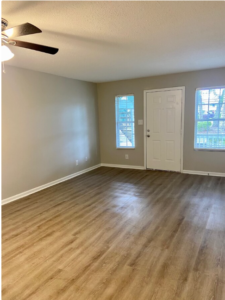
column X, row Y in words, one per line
column 3, row 67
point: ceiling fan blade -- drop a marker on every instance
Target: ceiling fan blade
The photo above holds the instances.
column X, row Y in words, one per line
column 35, row 47
column 20, row 30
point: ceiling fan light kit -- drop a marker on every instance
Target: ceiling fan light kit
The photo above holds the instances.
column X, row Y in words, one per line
column 20, row 30
column 6, row 53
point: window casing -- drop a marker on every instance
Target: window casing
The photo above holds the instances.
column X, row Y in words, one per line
column 210, row 119
column 125, row 123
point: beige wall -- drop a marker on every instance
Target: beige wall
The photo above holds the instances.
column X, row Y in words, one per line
column 47, row 123
column 193, row 160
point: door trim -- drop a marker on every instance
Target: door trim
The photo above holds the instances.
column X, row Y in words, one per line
column 182, row 88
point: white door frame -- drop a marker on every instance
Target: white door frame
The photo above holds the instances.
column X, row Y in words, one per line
column 182, row 88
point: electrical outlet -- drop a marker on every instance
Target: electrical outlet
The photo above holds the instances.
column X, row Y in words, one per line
column 77, row 162
column 126, row 156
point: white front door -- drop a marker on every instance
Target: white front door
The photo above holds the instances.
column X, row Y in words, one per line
column 163, row 130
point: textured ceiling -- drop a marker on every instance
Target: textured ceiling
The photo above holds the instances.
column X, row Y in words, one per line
column 104, row 41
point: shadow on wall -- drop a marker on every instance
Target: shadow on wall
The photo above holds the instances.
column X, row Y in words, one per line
column 74, row 133
column 81, row 131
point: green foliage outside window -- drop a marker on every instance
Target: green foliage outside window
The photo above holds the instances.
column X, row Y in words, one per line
column 202, row 126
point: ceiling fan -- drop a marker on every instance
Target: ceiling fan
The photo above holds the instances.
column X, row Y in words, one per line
column 21, row 30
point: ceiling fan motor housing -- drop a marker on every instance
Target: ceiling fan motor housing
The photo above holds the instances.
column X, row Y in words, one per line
column 4, row 24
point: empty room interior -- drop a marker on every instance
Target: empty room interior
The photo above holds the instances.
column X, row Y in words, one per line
column 113, row 150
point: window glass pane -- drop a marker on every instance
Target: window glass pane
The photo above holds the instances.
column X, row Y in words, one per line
column 125, row 136
column 203, row 96
column 202, row 127
column 222, row 111
column 212, row 127
column 203, row 112
column 214, row 96
column 210, row 119
column 222, row 127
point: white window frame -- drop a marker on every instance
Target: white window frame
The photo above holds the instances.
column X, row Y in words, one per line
column 119, row 147
column 195, row 121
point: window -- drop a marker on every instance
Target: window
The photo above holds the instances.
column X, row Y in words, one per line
column 210, row 119
column 125, row 137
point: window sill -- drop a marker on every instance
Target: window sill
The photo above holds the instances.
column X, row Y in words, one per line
column 209, row 150
column 128, row 148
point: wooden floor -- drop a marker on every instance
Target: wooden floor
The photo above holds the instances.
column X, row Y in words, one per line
column 117, row 234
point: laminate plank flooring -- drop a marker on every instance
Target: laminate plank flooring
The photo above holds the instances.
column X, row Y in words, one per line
column 117, row 234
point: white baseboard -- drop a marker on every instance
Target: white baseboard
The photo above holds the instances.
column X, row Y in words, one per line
column 184, row 171
column 203, row 173
column 123, row 166
column 44, row 186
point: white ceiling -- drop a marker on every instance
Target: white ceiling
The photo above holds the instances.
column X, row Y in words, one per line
column 105, row 41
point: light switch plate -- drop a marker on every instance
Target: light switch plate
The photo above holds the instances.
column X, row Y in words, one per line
column 140, row 122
